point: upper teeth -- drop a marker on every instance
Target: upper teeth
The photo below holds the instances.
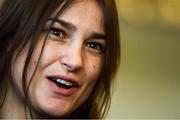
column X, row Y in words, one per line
column 64, row 82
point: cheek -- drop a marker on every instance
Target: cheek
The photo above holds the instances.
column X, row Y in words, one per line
column 50, row 54
column 34, row 62
column 94, row 67
column 17, row 71
column 17, row 68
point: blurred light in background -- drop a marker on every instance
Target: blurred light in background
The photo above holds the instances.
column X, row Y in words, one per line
column 146, row 12
column 147, row 85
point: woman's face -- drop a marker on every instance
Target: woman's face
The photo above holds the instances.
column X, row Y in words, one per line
column 71, row 61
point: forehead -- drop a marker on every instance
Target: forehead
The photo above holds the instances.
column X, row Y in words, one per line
column 83, row 11
column 84, row 6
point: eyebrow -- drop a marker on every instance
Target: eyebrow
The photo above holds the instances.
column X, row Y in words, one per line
column 98, row 36
column 72, row 27
column 65, row 24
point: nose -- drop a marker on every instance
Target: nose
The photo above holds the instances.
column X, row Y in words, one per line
column 72, row 60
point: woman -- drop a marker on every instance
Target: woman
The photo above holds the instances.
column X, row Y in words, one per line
column 57, row 58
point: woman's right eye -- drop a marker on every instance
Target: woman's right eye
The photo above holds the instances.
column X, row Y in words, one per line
column 57, row 33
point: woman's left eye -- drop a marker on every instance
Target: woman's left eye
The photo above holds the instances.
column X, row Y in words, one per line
column 95, row 46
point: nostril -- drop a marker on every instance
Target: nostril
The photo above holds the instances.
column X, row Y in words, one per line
column 68, row 67
column 72, row 66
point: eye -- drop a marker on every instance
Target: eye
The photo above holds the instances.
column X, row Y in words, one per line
column 57, row 33
column 95, row 47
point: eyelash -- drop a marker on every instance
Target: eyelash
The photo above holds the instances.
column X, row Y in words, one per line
column 95, row 46
column 57, row 33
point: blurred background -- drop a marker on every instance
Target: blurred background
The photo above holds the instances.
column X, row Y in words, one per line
column 147, row 85
column 148, row 82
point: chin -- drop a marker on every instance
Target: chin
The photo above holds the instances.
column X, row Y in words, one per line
column 53, row 109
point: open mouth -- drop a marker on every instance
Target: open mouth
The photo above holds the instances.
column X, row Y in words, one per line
column 62, row 82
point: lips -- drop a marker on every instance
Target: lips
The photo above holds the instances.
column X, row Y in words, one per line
column 62, row 85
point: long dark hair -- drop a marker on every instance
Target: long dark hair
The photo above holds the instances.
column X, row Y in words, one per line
column 22, row 21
